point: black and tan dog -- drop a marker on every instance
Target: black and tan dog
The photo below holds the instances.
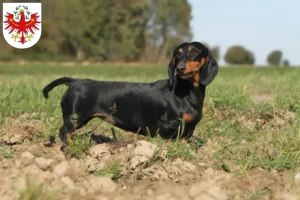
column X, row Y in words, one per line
column 143, row 108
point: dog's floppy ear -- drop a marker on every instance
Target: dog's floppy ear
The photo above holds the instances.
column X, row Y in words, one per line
column 209, row 71
column 171, row 71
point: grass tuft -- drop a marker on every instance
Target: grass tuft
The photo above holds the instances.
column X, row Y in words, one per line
column 78, row 146
column 112, row 169
column 6, row 152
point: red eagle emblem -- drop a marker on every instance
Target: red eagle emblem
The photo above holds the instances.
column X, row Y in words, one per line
column 23, row 27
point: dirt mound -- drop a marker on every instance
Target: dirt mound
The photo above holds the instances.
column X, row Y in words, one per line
column 138, row 169
column 253, row 120
column 19, row 130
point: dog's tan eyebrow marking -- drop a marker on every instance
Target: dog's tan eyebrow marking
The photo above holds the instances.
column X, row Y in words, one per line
column 190, row 48
column 187, row 117
column 180, row 50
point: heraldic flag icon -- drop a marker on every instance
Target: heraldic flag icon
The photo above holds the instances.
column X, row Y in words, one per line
column 22, row 24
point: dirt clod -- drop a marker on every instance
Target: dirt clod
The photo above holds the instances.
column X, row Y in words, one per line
column 99, row 184
column 157, row 172
column 18, row 130
column 62, row 169
column 94, row 164
column 68, row 182
column 43, row 163
column 100, row 151
column 142, row 153
column 184, row 165
column 27, row 155
column 207, row 190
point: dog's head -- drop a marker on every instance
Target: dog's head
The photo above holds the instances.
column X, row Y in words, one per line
column 193, row 61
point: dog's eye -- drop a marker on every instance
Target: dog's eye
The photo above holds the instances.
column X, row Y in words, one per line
column 193, row 52
column 178, row 54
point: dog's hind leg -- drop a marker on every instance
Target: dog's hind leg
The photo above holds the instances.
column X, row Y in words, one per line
column 63, row 135
column 65, row 132
column 67, row 129
column 83, row 119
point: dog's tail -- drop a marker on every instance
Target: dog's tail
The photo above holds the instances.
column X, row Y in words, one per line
column 59, row 81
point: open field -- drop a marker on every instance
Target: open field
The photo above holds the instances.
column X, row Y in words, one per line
column 247, row 145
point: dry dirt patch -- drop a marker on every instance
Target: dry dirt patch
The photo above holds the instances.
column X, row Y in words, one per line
column 143, row 170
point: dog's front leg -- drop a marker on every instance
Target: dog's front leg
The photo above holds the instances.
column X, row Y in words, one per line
column 169, row 128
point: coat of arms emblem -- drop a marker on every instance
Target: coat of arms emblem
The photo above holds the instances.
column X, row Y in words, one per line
column 22, row 24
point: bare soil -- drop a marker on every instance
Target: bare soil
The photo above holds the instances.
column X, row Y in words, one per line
column 29, row 168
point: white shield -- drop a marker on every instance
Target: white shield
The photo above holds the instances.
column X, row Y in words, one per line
column 22, row 24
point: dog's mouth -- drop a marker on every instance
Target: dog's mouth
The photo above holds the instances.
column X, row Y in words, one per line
column 187, row 75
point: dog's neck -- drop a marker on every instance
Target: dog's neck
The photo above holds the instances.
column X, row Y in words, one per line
column 185, row 88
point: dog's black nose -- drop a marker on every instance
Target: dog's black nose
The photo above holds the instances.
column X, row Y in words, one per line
column 180, row 69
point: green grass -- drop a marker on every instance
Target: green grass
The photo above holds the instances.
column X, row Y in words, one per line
column 250, row 133
column 257, row 194
column 6, row 152
column 107, row 70
column 179, row 149
column 78, row 146
column 112, row 169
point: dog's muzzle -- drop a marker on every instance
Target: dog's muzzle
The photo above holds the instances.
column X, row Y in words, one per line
column 187, row 75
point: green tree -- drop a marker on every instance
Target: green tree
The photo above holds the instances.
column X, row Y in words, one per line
column 127, row 23
column 250, row 58
column 274, row 58
column 80, row 21
column 106, row 30
column 286, row 63
column 239, row 55
column 169, row 24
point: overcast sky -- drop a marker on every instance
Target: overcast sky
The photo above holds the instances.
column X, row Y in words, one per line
column 259, row 25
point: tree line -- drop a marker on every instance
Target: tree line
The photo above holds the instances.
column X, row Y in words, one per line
column 109, row 30
column 119, row 30
column 239, row 55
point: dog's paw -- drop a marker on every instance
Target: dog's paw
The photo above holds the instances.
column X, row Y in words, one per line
column 63, row 148
column 50, row 142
